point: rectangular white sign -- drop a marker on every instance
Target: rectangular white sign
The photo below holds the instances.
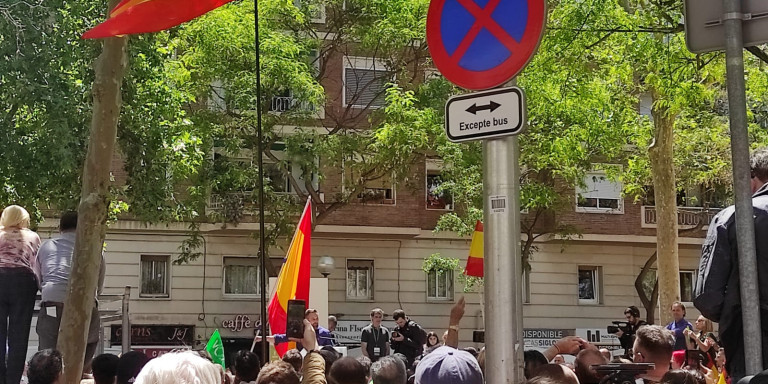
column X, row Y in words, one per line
column 349, row 331
column 484, row 115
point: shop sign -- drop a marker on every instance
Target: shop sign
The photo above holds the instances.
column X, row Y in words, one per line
column 153, row 352
column 543, row 337
column 239, row 323
column 597, row 336
column 150, row 335
column 348, row 331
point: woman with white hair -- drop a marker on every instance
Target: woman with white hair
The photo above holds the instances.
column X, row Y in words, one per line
column 185, row 367
column 18, row 287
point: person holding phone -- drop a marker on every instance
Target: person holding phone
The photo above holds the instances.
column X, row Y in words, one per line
column 322, row 335
column 374, row 339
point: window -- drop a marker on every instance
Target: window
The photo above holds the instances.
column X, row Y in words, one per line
column 286, row 100
column 365, row 82
column 315, row 10
column 275, row 178
column 589, row 285
column 379, row 191
column 440, row 285
column 687, row 284
column 437, row 198
column 155, row 276
column 599, row 194
column 274, row 173
column 241, row 277
column 359, row 279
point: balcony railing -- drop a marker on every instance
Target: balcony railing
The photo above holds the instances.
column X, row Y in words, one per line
column 285, row 103
column 244, row 201
column 687, row 217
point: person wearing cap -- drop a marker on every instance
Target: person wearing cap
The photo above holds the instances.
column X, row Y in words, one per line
column 447, row 365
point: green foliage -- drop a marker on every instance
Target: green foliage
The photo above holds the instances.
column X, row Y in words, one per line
column 436, row 263
column 45, row 73
column 187, row 130
column 471, row 283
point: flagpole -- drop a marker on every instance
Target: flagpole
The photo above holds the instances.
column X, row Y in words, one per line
column 262, row 238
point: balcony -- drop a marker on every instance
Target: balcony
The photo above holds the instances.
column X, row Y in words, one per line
column 282, row 104
column 245, row 203
column 687, row 217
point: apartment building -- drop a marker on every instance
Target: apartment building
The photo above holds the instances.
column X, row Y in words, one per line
column 575, row 287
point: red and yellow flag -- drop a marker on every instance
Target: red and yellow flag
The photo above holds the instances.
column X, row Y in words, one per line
column 293, row 281
column 475, row 259
column 142, row 16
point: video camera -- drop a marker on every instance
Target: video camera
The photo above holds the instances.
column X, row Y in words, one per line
column 621, row 373
column 619, row 325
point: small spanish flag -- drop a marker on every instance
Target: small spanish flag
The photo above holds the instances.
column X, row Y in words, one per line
column 293, row 281
column 475, row 259
column 131, row 17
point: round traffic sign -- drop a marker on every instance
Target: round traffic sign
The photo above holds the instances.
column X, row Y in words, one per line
column 481, row 44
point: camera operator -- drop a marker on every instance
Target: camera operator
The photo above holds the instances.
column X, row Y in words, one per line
column 408, row 337
column 626, row 331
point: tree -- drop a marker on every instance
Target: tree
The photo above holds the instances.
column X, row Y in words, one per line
column 94, row 202
column 683, row 141
column 369, row 144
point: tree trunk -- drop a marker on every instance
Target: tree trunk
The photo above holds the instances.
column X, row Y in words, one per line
column 649, row 302
column 94, row 202
column 665, row 193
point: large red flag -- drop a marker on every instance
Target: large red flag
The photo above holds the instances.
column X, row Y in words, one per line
column 293, row 281
column 476, row 253
column 142, row 16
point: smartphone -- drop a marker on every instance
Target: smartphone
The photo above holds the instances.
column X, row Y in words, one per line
column 395, row 334
column 478, row 336
column 693, row 359
column 295, row 318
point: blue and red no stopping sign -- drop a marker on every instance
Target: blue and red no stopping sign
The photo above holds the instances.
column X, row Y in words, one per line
column 481, row 44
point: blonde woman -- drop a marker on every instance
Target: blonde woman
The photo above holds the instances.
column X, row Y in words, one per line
column 18, row 287
column 702, row 338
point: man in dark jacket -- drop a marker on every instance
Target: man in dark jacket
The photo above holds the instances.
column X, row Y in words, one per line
column 626, row 334
column 408, row 338
column 717, row 288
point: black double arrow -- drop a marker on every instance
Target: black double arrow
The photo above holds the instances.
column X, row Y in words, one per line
column 491, row 107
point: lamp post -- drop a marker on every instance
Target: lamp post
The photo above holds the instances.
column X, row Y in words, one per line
column 325, row 265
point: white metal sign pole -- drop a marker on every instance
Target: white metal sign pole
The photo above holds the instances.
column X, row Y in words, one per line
column 503, row 299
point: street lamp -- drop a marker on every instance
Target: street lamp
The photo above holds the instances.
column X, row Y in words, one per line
column 325, row 265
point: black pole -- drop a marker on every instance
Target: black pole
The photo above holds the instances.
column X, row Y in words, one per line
column 262, row 241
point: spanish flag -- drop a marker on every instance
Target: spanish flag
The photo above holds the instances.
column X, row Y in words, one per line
column 142, row 16
column 293, row 281
column 475, row 259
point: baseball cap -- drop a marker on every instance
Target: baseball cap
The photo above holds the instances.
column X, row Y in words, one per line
column 447, row 365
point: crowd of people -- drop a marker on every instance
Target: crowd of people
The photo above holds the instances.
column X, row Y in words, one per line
column 680, row 353
column 316, row 364
column 697, row 360
column 27, row 266
column 690, row 356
